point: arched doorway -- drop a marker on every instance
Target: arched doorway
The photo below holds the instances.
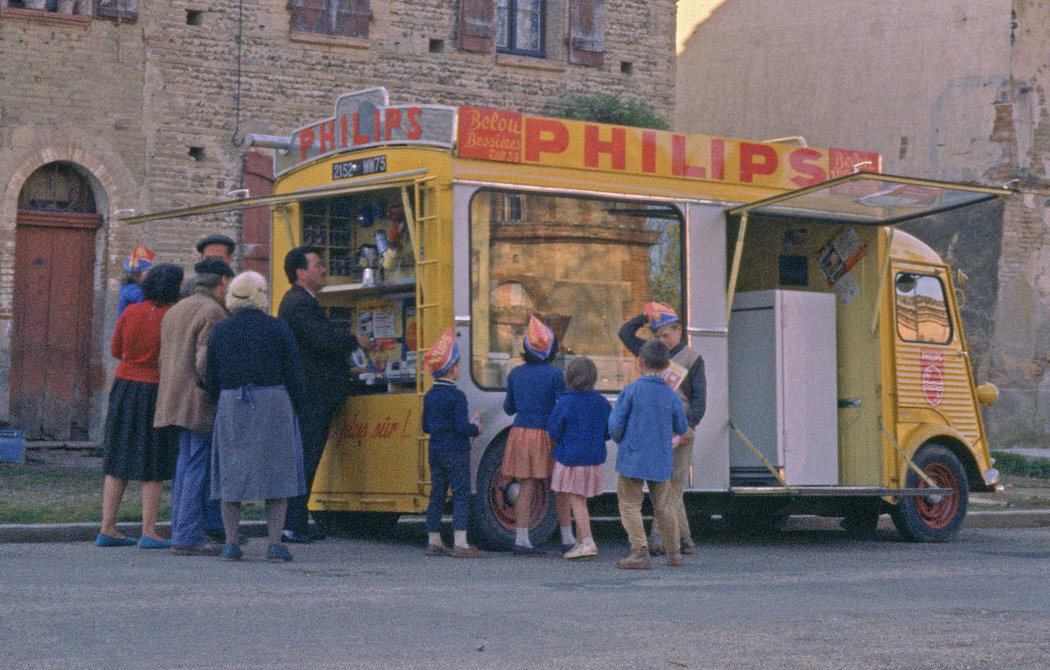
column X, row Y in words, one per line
column 51, row 332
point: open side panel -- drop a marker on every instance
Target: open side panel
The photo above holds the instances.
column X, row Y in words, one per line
column 831, row 238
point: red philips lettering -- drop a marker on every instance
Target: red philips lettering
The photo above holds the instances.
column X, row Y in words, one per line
column 802, row 161
column 616, row 147
column 358, row 137
column 306, row 140
column 756, row 159
column 544, row 136
column 327, row 136
column 416, row 131
column 649, row 151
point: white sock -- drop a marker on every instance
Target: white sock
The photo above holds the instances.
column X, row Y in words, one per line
column 434, row 538
column 459, row 538
column 521, row 537
column 566, row 535
column 587, row 541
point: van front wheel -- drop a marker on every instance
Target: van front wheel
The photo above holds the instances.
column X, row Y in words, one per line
column 933, row 518
column 493, row 515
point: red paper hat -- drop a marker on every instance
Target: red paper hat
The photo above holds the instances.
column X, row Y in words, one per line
column 538, row 338
column 141, row 259
column 660, row 314
column 442, row 355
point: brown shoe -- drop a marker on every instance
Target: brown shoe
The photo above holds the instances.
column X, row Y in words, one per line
column 687, row 545
column 674, row 559
column 637, row 560
column 437, row 550
column 469, row 551
column 205, row 549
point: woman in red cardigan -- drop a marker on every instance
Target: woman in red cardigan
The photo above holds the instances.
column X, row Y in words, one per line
column 134, row 449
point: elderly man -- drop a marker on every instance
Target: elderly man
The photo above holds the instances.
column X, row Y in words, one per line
column 686, row 376
column 183, row 404
column 217, row 246
column 324, row 350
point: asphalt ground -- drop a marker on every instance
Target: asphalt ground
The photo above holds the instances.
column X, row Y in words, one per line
column 793, row 599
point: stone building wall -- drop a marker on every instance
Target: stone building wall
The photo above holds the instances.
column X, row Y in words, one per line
column 154, row 110
column 943, row 90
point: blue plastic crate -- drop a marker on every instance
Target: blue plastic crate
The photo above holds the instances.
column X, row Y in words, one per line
column 12, row 446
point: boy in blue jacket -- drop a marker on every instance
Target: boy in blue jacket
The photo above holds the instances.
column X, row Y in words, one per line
column 445, row 419
column 643, row 422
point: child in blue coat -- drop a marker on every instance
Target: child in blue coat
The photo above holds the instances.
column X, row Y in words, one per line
column 445, row 419
column 579, row 427
column 647, row 416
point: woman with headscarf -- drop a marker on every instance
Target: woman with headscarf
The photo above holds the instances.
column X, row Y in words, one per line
column 255, row 378
column 134, row 449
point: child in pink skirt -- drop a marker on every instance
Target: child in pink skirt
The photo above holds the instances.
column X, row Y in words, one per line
column 532, row 390
column 579, row 427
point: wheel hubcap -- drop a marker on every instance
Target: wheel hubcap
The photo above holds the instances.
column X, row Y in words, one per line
column 938, row 511
column 503, row 496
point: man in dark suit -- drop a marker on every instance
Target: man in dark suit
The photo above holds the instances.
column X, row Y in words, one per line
column 324, row 350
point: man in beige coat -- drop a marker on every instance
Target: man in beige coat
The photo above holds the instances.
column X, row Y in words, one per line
column 183, row 404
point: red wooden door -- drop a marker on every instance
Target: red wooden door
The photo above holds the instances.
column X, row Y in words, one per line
column 255, row 227
column 51, row 333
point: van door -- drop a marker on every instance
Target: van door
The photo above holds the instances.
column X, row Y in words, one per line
column 934, row 380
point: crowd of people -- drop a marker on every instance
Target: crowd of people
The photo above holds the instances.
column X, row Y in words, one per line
column 234, row 405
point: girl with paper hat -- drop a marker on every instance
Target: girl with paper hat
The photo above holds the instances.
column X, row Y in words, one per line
column 532, row 390
column 445, row 420
column 136, row 267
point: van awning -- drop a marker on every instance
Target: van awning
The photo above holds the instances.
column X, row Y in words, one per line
column 870, row 199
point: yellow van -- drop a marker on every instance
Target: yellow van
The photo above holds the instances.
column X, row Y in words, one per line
column 837, row 371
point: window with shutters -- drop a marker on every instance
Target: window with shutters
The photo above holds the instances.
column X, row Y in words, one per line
column 349, row 18
column 123, row 10
column 520, row 27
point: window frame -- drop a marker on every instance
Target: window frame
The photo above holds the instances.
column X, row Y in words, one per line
column 944, row 301
column 512, row 18
column 358, row 15
column 511, row 190
column 116, row 13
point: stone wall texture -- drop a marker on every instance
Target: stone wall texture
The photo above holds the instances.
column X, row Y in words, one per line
column 154, row 111
column 942, row 89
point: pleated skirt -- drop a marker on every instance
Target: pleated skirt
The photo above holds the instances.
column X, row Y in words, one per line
column 257, row 452
column 528, row 454
column 133, row 448
column 583, row 480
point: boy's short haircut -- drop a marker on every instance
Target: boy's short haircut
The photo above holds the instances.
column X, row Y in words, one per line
column 581, row 374
column 655, row 355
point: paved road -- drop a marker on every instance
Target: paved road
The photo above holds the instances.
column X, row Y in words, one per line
column 794, row 600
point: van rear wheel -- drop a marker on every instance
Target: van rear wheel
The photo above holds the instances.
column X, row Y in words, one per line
column 934, row 518
column 493, row 516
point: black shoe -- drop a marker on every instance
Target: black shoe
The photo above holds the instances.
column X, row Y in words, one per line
column 522, row 550
column 293, row 537
column 317, row 534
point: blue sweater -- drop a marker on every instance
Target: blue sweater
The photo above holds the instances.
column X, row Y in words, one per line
column 646, row 415
column 445, row 418
column 249, row 347
column 579, row 427
column 532, row 390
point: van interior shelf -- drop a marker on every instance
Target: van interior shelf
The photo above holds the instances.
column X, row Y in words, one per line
column 378, row 288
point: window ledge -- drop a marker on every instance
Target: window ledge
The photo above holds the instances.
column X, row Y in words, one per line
column 529, row 63
column 44, row 16
column 329, row 40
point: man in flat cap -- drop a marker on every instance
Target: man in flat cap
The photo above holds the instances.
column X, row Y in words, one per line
column 217, row 246
column 183, row 404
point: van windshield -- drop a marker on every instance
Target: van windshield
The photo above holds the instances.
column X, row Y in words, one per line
column 583, row 265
